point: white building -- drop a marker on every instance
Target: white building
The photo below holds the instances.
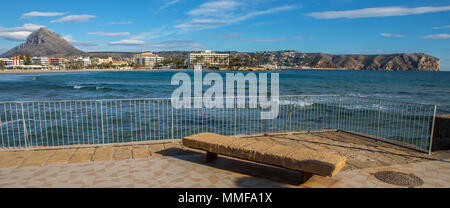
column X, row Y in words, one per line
column 42, row 61
column 147, row 59
column 102, row 61
column 16, row 61
column 6, row 61
column 84, row 61
column 211, row 58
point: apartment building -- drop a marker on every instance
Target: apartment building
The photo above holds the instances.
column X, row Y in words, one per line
column 147, row 59
column 83, row 61
column 210, row 58
column 57, row 61
column 41, row 61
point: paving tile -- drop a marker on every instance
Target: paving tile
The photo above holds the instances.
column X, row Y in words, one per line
column 103, row 153
column 155, row 148
column 82, row 155
column 140, row 151
column 122, row 153
column 61, row 156
column 172, row 145
column 38, row 158
column 13, row 159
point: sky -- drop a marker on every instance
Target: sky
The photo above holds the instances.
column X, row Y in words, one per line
column 327, row 26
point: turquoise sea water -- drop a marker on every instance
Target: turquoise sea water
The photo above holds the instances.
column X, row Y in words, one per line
column 416, row 87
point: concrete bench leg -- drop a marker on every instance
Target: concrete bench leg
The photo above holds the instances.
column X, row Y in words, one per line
column 210, row 157
column 306, row 176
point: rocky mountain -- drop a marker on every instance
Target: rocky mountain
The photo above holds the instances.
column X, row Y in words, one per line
column 390, row 62
column 44, row 42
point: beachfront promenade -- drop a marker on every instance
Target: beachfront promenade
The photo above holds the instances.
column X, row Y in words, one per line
column 169, row 164
column 136, row 143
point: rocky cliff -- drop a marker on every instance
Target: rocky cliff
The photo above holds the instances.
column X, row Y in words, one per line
column 390, row 62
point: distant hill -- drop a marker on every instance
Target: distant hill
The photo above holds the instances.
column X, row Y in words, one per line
column 110, row 54
column 44, row 42
column 294, row 59
column 389, row 62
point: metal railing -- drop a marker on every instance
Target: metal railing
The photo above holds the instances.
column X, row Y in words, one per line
column 45, row 124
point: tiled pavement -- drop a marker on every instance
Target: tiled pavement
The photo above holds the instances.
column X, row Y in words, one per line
column 171, row 165
column 435, row 174
column 191, row 171
column 182, row 171
column 88, row 154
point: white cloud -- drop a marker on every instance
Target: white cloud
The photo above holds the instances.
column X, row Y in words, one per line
column 15, row 36
column 42, row 14
column 74, row 18
column 436, row 36
column 171, row 44
column 128, row 42
column 215, row 8
column 443, row 27
column 3, row 49
column 228, row 35
column 267, row 40
column 79, row 43
column 264, row 12
column 303, row 38
column 18, row 33
column 220, row 13
column 26, row 27
column 166, row 5
column 121, row 23
column 109, row 34
column 392, row 35
column 377, row 12
column 152, row 34
column 199, row 24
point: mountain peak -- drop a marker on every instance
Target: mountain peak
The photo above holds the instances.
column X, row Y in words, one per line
column 44, row 42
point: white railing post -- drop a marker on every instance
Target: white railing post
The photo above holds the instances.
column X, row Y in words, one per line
column 101, row 114
column 432, row 129
column 339, row 113
column 173, row 138
column 379, row 119
column 235, row 115
column 24, row 128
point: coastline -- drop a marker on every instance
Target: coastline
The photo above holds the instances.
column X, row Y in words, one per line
column 104, row 70
column 80, row 70
column 142, row 70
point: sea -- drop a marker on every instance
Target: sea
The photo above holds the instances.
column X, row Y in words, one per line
column 407, row 86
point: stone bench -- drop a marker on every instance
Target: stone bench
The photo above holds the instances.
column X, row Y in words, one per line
column 307, row 161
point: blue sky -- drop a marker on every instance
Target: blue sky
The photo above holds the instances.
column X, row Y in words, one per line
column 329, row 26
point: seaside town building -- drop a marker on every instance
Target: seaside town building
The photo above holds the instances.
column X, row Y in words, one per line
column 17, row 60
column 210, row 58
column 147, row 59
column 57, row 61
column 6, row 61
column 119, row 63
column 42, row 61
column 83, row 61
column 102, row 60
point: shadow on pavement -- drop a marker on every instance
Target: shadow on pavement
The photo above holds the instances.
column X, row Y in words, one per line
column 249, row 170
